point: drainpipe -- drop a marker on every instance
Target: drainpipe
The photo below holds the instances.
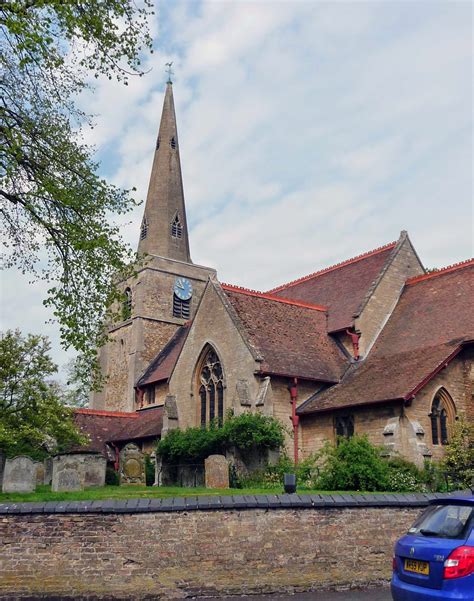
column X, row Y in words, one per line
column 117, row 457
column 355, row 343
column 294, row 418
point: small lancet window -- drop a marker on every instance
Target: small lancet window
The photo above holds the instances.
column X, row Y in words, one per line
column 127, row 304
column 144, row 228
column 181, row 308
column 442, row 415
column 176, row 227
column 157, row 142
column 211, row 389
column 173, row 143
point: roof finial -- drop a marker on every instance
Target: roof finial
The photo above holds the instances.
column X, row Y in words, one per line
column 169, row 71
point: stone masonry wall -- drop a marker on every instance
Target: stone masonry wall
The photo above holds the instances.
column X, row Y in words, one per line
column 384, row 297
column 212, row 325
column 145, row 554
column 370, row 420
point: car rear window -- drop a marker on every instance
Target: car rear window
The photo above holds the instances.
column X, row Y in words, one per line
column 445, row 521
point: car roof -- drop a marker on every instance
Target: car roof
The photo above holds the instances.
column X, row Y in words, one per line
column 468, row 499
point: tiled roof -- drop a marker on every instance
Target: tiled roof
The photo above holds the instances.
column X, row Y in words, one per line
column 341, row 287
column 163, row 364
column 429, row 325
column 290, row 337
column 106, row 426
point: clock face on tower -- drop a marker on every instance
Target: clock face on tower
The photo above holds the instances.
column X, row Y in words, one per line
column 183, row 289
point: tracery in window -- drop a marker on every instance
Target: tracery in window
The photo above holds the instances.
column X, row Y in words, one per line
column 144, row 228
column 344, row 426
column 181, row 308
column 211, row 389
column 443, row 414
column 127, row 304
column 176, row 227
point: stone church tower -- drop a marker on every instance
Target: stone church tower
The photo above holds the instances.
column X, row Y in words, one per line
column 166, row 290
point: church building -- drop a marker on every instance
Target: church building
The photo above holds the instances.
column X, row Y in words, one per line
column 373, row 345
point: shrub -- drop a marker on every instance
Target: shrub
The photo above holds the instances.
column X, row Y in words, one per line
column 149, row 471
column 245, row 432
column 458, row 461
column 305, row 471
column 111, row 477
column 404, row 476
column 354, row 464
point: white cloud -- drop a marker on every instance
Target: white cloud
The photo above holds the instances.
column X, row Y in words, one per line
column 309, row 131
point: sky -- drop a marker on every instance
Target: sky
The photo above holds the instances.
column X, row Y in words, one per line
column 309, row 132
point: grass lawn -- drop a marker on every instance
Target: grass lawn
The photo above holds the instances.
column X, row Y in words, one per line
column 43, row 493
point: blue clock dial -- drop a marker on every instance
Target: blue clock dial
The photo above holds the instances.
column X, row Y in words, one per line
column 183, row 289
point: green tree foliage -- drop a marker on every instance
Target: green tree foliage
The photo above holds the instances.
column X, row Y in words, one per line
column 458, row 461
column 33, row 419
column 55, row 212
column 249, row 430
column 78, row 384
column 354, row 464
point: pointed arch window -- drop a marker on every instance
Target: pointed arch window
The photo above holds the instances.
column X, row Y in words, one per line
column 176, row 227
column 173, row 143
column 211, row 389
column 443, row 414
column 157, row 142
column 144, row 228
column 127, row 304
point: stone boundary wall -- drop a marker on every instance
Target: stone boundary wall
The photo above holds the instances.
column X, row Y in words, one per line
column 175, row 548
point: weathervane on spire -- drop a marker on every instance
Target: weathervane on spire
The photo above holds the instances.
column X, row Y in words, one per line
column 169, row 71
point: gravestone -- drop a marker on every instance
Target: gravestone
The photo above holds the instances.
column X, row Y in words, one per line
column 217, row 471
column 94, row 470
column 48, row 470
column 68, row 473
column 19, row 475
column 132, row 465
column 39, row 467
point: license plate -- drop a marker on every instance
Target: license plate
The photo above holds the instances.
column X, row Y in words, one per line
column 419, row 567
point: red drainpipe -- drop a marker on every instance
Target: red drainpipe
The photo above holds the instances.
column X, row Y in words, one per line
column 355, row 343
column 294, row 418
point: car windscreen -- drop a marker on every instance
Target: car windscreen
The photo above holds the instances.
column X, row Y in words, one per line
column 445, row 521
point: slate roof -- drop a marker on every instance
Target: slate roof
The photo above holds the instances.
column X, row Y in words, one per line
column 432, row 321
column 342, row 287
column 289, row 336
column 161, row 367
column 103, row 427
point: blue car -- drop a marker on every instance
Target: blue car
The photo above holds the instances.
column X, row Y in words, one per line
column 435, row 560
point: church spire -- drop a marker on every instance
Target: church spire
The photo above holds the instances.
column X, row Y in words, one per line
column 164, row 230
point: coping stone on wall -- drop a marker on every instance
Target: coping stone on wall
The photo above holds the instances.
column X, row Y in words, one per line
column 226, row 503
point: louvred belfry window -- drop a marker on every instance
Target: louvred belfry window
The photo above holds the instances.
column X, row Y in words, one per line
column 181, row 308
column 176, row 227
column 211, row 389
column 443, row 413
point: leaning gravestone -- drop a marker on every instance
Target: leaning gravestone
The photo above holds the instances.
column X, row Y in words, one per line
column 94, row 470
column 19, row 475
column 68, row 473
column 217, row 471
column 132, row 465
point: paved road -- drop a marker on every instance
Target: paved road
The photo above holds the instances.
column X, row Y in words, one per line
column 378, row 594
